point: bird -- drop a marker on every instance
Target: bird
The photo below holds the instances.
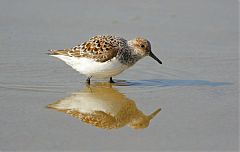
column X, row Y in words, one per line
column 105, row 56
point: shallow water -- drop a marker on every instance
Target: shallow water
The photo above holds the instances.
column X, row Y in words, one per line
column 196, row 87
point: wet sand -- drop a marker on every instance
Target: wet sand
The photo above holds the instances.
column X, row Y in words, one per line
column 196, row 87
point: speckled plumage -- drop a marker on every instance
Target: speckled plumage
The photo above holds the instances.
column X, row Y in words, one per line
column 110, row 55
column 101, row 48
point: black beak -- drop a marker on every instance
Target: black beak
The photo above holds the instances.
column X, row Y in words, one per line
column 154, row 57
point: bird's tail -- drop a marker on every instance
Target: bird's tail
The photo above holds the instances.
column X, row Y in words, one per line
column 56, row 52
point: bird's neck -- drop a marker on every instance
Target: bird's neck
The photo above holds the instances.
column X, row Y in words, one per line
column 129, row 56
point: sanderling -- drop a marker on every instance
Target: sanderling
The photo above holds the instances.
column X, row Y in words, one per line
column 105, row 56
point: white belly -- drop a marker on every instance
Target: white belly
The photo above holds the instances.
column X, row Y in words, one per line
column 88, row 102
column 92, row 68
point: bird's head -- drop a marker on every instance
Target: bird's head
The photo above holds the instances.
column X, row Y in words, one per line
column 142, row 47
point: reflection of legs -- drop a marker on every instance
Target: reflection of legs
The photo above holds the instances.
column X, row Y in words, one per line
column 111, row 80
column 88, row 86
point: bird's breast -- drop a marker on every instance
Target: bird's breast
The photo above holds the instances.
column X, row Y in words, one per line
column 90, row 67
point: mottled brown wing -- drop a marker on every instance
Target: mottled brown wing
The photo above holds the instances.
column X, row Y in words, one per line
column 98, row 119
column 99, row 48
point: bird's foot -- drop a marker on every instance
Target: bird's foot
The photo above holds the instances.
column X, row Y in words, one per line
column 111, row 80
column 88, row 81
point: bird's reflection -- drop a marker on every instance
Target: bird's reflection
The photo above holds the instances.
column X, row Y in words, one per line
column 103, row 106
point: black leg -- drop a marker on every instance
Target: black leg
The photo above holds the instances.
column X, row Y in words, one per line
column 88, row 80
column 111, row 80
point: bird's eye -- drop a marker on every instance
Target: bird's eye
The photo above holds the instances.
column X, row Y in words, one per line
column 142, row 46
